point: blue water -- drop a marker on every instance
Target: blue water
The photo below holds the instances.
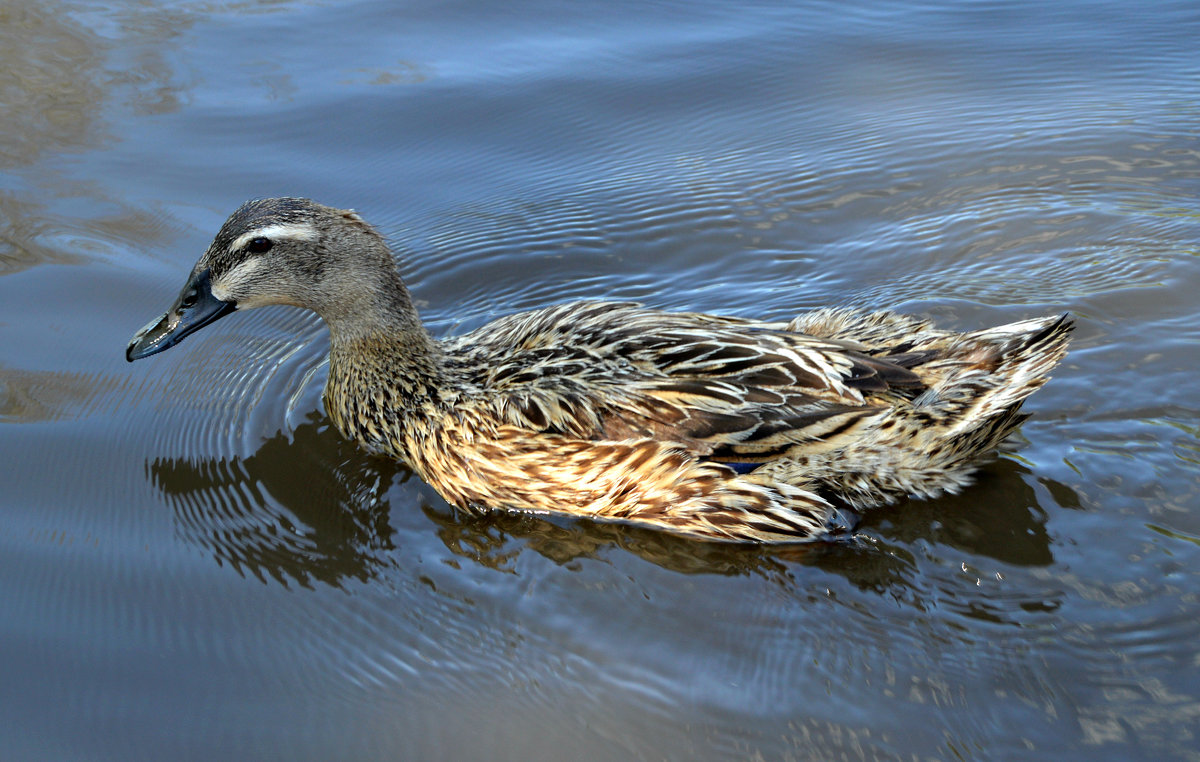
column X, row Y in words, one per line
column 194, row 565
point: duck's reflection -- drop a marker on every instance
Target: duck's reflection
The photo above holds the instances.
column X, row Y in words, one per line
column 311, row 507
column 999, row 516
column 301, row 509
column 496, row 539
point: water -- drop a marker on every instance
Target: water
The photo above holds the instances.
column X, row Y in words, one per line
column 193, row 565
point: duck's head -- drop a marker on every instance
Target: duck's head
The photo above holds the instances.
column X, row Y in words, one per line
column 282, row 251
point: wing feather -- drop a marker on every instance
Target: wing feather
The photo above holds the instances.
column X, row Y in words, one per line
column 725, row 388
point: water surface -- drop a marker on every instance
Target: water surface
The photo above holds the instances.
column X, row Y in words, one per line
column 194, row 565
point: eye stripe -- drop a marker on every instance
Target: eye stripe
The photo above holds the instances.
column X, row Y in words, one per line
column 298, row 231
column 223, row 286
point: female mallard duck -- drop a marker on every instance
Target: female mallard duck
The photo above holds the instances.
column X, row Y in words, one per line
column 713, row 427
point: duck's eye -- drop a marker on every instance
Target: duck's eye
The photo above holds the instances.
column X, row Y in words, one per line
column 258, row 245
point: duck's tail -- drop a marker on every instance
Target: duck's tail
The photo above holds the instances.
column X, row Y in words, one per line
column 975, row 384
column 987, row 374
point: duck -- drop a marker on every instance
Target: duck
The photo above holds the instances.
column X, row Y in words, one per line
column 716, row 428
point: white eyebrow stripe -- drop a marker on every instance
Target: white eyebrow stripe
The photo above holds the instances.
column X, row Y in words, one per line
column 292, row 231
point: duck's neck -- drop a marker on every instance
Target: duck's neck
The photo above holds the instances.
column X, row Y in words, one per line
column 377, row 341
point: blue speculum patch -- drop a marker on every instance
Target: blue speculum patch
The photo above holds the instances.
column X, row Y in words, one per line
column 741, row 468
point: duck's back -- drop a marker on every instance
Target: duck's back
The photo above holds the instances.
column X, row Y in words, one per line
column 737, row 390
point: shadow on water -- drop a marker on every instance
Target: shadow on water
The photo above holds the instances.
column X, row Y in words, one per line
column 310, row 507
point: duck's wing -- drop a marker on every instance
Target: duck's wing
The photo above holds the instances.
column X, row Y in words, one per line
column 731, row 390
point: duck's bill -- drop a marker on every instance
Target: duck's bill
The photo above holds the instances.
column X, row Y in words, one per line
column 195, row 308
